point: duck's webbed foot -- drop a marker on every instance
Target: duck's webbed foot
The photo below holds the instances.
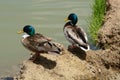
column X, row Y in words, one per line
column 35, row 57
column 72, row 46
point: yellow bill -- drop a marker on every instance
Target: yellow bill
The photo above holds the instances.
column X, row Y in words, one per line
column 20, row 32
column 66, row 19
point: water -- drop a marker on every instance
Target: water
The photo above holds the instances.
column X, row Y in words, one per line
column 48, row 18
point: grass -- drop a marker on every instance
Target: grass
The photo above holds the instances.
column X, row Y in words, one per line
column 97, row 18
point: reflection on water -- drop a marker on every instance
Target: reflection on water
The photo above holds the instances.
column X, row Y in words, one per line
column 46, row 15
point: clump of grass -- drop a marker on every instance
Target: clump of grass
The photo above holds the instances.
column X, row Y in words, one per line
column 96, row 20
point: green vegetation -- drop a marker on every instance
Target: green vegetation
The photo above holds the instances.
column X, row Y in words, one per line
column 96, row 20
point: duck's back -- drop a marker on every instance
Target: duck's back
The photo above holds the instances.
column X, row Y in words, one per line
column 40, row 43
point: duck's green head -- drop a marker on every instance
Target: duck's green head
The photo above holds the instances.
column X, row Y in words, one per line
column 28, row 29
column 72, row 18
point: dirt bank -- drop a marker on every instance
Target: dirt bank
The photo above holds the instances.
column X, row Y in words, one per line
column 101, row 64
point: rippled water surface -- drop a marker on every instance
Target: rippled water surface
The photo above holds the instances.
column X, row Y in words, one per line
column 48, row 18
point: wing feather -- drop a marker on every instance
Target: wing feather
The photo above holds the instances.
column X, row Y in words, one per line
column 82, row 34
column 73, row 35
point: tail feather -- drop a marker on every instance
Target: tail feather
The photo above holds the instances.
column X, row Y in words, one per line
column 85, row 48
column 54, row 48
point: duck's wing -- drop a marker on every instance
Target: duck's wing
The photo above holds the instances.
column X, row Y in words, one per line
column 39, row 43
column 84, row 38
column 77, row 35
column 40, row 39
column 82, row 34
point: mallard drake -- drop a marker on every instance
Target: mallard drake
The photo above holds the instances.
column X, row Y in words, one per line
column 37, row 43
column 74, row 34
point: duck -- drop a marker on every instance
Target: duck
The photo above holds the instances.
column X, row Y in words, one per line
column 37, row 43
column 75, row 34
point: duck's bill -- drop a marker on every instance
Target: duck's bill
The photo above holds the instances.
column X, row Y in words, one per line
column 66, row 19
column 20, row 32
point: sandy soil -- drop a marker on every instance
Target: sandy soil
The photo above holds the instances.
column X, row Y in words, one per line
column 101, row 64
